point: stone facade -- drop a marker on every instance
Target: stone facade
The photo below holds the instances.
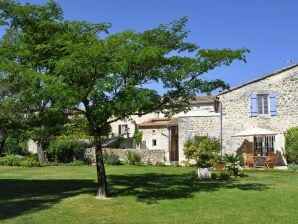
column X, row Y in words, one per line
column 147, row 156
column 236, row 106
column 190, row 126
column 131, row 123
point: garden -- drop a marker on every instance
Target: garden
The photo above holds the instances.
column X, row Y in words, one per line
column 145, row 194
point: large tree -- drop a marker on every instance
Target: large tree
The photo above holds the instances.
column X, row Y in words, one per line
column 103, row 77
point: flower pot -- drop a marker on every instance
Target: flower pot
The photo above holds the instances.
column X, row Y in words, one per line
column 204, row 173
column 233, row 171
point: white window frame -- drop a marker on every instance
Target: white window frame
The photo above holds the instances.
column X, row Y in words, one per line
column 264, row 144
column 262, row 111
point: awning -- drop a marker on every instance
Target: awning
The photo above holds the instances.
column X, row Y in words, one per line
column 255, row 131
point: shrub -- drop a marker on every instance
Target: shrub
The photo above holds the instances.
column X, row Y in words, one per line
column 30, row 161
column 112, row 159
column 232, row 162
column 66, row 151
column 204, row 150
column 133, row 158
column 12, row 147
column 293, row 167
column 291, row 146
column 10, row 160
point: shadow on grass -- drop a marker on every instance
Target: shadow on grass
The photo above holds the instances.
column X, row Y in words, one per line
column 152, row 187
column 18, row 197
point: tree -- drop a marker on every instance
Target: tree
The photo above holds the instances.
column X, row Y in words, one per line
column 104, row 78
column 291, row 145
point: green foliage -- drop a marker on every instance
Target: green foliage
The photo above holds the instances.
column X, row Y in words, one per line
column 138, row 135
column 293, row 167
column 291, row 146
column 10, row 160
column 29, row 161
column 112, row 159
column 12, row 147
column 53, row 67
column 232, row 162
column 133, row 158
column 14, row 160
column 66, row 150
column 204, row 150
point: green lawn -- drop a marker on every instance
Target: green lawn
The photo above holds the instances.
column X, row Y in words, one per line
column 65, row 194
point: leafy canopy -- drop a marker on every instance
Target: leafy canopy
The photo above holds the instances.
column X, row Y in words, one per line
column 54, row 64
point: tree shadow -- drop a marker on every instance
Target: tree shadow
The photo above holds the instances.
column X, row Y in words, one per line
column 153, row 187
column 18, row 197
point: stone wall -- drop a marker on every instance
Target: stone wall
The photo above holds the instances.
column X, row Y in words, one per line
column 237, row 114
column 188, row 127
column 147, row 156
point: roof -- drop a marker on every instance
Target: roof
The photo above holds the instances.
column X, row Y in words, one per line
column 259, row 79
column 159, row 122
column 203, row 100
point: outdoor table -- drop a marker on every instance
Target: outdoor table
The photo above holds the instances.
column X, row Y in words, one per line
column 260, row 160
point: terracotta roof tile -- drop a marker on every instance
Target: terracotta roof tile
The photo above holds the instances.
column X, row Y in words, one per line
column 159, row 122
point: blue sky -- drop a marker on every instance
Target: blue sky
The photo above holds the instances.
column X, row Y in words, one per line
column 267, row 27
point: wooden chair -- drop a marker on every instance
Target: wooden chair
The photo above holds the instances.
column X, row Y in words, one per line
column 270, row 161
column 249, row 160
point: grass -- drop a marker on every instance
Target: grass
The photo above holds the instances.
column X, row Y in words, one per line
column 66, row 194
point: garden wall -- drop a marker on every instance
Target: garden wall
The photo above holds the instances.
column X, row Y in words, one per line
column 147, row 156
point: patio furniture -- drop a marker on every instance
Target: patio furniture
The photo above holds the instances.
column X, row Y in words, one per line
column 249, row 160
column 270, row 161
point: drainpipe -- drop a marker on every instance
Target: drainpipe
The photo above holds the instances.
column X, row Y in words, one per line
column 170, row 140
column 220, row 104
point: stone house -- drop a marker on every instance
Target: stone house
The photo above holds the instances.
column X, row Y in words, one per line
column 269, row 102
column 161, row 134
column 126, row 127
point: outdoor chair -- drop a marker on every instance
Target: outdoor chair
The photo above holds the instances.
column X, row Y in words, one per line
column 249, row 160
column 270, row 161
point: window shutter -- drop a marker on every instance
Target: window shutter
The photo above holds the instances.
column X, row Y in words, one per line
column 272, row 99
column 253, row 105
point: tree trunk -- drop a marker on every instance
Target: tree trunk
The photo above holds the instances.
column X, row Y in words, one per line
column 102, row 192
column 40, row 153
column 2, row 142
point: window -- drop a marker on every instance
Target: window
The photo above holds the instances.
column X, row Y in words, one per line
column 263, row 103
column 154, row 142
column 263, row 145
column 122, row 129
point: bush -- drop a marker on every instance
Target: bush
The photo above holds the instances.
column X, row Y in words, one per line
column 10, row 160
column 13, row 160
column 291, row 146
column 112, row 159
column 232, row 162
column 204, row 150
column 133, row 158
column 12, row 147
column 293, row 167
column 30, row 161
column 66, row 151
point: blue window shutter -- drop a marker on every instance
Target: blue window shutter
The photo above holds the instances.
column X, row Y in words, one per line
column 253, row 105
column 272, row 99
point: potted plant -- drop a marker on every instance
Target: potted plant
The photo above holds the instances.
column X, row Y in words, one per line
column 205, row 152
column 232, row 162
